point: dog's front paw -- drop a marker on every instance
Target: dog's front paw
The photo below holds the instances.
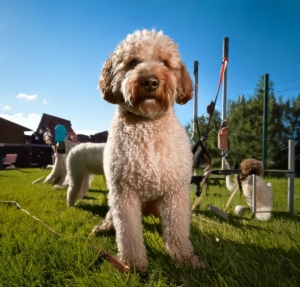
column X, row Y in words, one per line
column 98, row 229
column 139, row 264
column 106, row 226
column 195, row 262
column 239, row 210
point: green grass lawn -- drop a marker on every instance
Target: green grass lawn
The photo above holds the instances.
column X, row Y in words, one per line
column 239, row 252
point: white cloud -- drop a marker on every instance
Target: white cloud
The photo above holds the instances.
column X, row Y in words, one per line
column 27, row 97
column 45, row 102
column 7, row 108
column 86, row 132
column 30, row 121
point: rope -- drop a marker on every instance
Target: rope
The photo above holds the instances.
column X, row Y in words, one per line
column 27, row 212
column 104, row 254
column 212, row 105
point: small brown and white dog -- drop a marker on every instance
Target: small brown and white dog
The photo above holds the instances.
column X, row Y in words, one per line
column 264, row 192
column 148, row 158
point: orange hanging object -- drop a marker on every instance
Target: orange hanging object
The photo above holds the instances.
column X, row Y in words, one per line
column 223, row 137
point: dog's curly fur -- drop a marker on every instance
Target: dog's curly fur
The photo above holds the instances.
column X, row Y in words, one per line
column 148, row 159
column 263, row 191
column 82, row 162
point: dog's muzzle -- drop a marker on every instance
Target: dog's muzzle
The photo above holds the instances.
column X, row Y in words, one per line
column 149, row 83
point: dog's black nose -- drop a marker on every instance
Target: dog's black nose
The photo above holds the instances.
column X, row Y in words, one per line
column 149, row 83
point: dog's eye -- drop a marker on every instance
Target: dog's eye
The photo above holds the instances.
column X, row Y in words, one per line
column 165, row 63
column 133, row 63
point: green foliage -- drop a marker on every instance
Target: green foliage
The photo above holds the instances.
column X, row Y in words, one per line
column 292, row 117
column 245, row 124
column 239, row 252
column 245, row 121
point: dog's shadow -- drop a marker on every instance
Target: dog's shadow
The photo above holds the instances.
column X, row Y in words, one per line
column 95, row 209
column 152, row 224
column 99, row 191
column 89, row 197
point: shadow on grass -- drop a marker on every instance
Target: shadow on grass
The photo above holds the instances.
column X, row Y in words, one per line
column 225, row 257
column 95, row 209
column 285, row 215
column 89, row 197
column 152, row 225
column 247, row 216
column 98, row 191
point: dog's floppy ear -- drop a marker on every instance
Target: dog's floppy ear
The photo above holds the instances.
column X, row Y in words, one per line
column 184, row 86
column 105, row 84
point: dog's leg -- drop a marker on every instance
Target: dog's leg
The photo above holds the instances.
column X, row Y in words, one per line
column 85, row 185
column 75, row 180
column 66, row 181
column 175, row 227
column 127, row 219
column 53, row 175
column 106, row 225
column 62, row 176
column 58, row 169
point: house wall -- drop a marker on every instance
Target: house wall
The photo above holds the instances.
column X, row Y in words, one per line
column 11, row 133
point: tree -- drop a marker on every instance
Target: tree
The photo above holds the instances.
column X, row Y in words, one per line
column 245, row 122
column 245, row 125
column 292, row 118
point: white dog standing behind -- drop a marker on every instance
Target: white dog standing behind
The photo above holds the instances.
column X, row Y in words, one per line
column 83, row 161
column 148, row 158
column 59, row 171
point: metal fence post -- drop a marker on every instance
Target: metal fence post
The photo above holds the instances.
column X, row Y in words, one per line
column 254, row 194
column 265, row 122
column 224, row 87
column 291, row 175
column 196, row 64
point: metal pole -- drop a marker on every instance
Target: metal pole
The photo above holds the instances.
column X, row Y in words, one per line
column 195, row 97
column 224, row 86
column 291, row 175
column 265, row 119
column 254, row 194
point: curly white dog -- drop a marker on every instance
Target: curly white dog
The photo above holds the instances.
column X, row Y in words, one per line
column 148, row 159
column 83, row 161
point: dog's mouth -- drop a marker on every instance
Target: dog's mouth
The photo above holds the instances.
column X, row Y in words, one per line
column 148, row 106
column 148, row 98
column 144, row 98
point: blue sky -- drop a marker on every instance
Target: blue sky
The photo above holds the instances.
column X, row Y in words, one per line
column 52, row 51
